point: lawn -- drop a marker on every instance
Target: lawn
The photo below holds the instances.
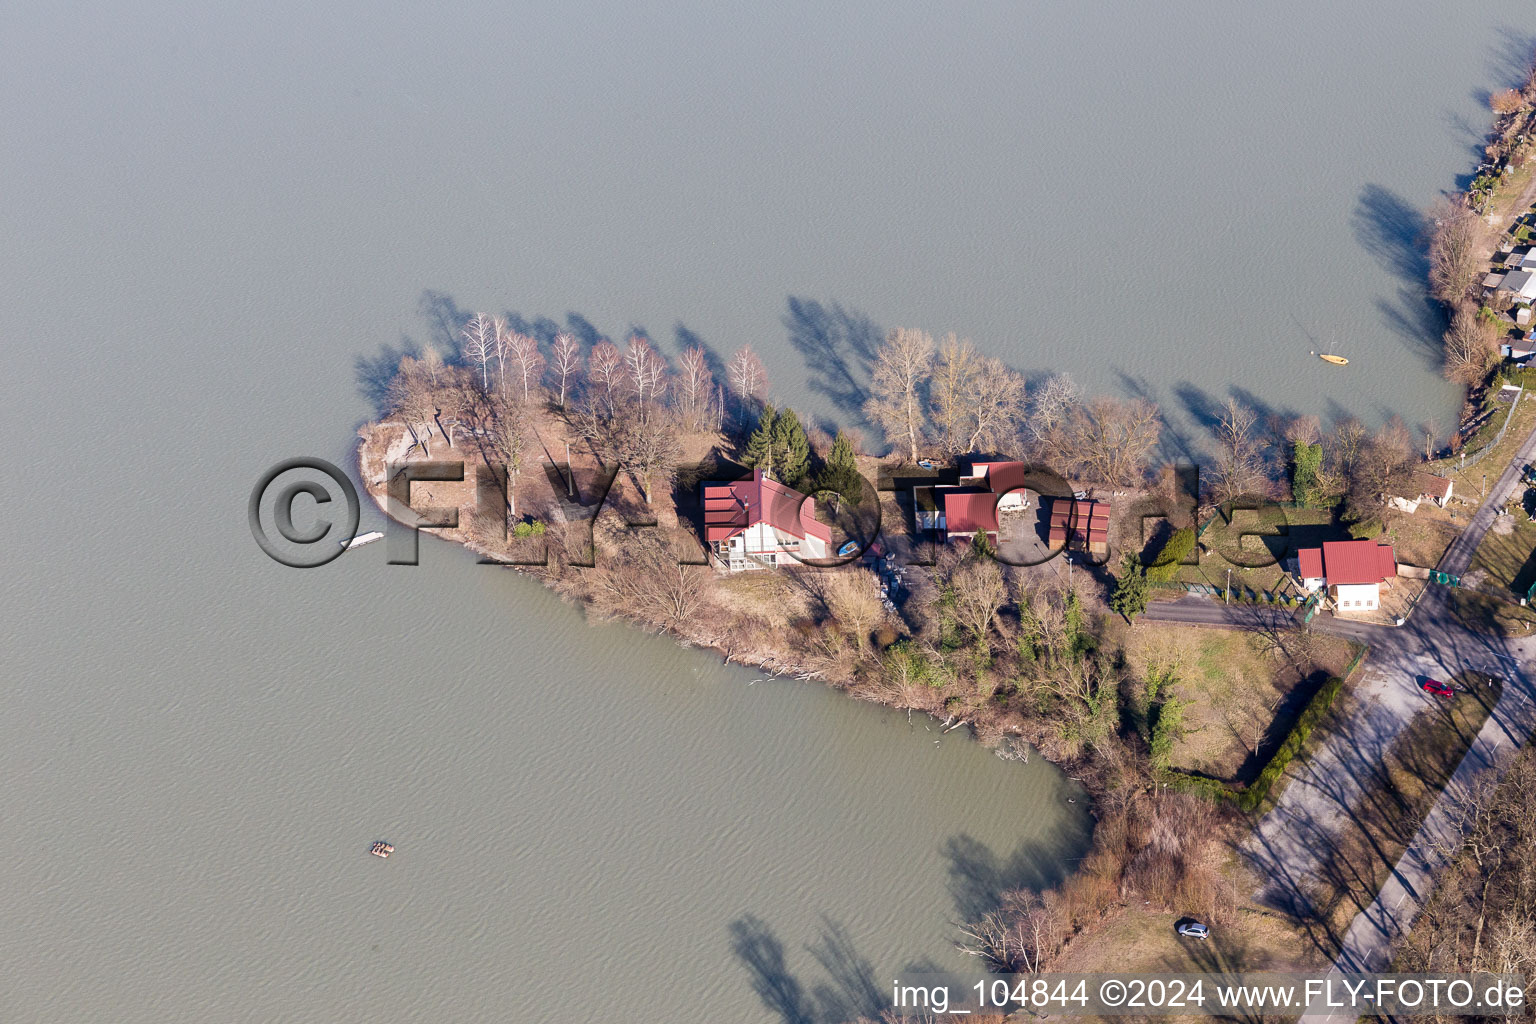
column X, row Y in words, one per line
column 1502, row 570
column 1241, row 691
column 1399, row 793
column 1420, row 538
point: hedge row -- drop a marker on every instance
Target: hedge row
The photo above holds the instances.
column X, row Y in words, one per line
column 1310, row 715
column 1252, row 796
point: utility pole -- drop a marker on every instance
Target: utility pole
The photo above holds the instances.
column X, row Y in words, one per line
column 1228, row 595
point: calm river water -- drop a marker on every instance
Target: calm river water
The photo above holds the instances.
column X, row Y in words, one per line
column 212, row 211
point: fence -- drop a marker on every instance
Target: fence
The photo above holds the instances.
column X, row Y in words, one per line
column 1465, row 460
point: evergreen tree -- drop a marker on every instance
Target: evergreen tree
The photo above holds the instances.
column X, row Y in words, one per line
column 1130, row 596
column 791, row 458
column 840, row 475
column 759, row 451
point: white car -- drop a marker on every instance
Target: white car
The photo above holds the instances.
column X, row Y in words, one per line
column 1194, row 930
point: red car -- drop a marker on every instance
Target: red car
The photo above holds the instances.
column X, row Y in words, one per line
column 1437, row 688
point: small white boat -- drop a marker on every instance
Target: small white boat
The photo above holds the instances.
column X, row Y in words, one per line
column 382, row 850
column 360, row 540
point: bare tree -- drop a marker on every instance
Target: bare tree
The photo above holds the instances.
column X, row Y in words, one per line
column 1471, row 345
column 645, row 372
column 1237, row 466
column 747, row 378
column 1303, row 430
column 522, row 351
column 480, row 337
column 997, row 404
column 902, row 368
column 1109, row 439
column 566, row 363
column 695, row 388
column 605, row 369
column 643, row 579
column 1054, row 401
column 503, row 351
column 952, row 391
column 980, row 591
column 1453, row 251
column 506, row 436
column 412, row 398
column 852, row 594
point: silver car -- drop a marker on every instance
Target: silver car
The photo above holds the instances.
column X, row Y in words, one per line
column 1194, row 930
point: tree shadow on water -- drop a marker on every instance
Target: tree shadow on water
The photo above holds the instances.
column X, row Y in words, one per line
column 1394, row 232
column 839, row 347
column 979, row 877
column 373, row 373
column 847, row 991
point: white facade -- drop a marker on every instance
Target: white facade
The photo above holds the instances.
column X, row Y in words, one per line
column 763, row 547
column 1312, row 584
column 1357, row 597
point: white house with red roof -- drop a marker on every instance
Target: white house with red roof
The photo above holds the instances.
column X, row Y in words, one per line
column 1351, row 570
column 761, row 524
column 974, row 502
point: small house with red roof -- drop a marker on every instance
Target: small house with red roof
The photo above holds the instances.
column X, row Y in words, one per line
column 1352, row 571
column 975, row 502
column 761, row 524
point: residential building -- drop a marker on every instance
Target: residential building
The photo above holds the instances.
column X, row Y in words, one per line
column 1419, row 487
column 761, row 524
column 1519, row 283
column 976, row 501
column 1352, row 571
column 1519, row 347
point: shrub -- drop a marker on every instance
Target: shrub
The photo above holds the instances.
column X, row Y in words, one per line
column 1364, row 529
column 533, row 529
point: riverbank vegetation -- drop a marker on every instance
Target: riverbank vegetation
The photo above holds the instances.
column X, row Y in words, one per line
column 606, row 445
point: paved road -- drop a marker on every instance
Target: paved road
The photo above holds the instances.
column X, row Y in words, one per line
column 1367, row 944
column 1293, row 845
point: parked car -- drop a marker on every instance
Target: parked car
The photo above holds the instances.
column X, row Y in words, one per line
column 1194, row 930
column 1437, row 688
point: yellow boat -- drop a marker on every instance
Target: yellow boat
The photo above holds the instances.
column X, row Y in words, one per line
column 1335, row 360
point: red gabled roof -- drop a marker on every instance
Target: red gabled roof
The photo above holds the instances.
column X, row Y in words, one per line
column 732, row 508
column 967, row 512
column 1311, row 563
column 1001, row 476
column 1357, row 561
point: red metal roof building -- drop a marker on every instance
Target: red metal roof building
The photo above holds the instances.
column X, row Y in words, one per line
column 761, row 523
column 973, row 504
column 1351, row 570
column 965, row 512
column 1080, row 522
column 1348, row 562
